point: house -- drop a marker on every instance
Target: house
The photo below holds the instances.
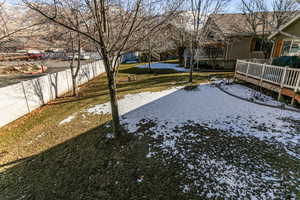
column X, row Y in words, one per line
column 283, row 80
column 231, row 36
column 130, row 57
column 287, row 39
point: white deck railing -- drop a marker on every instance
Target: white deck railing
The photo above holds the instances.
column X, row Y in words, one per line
column 281, row 76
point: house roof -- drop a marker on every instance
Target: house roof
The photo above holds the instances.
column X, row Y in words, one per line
column 284, row 27
column 185, row 20
column 238, row 23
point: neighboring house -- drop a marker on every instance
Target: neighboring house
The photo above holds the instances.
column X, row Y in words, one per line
column 287, row 39
column 130, row 56
column 228, row 37
column 185, row 20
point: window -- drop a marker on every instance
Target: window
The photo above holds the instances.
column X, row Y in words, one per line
column 258, row 45
column 286, row 48
column 295, row 49
column 291, row 48
column 215, row 52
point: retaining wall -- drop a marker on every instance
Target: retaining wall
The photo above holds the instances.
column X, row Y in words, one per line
column 22, row 98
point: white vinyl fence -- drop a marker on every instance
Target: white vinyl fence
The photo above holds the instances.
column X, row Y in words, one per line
column 22, row 98
column 284, row 77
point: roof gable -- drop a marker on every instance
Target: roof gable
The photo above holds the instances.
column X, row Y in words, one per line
column 244, row 24
column 288, row 24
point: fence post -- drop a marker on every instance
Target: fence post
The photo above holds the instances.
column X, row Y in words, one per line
column 282, row 82
column 50, row 88
column 25, row 95
column 296, row 89
column 67, row 80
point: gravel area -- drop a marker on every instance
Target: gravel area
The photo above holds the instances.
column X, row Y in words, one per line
column 53, row 66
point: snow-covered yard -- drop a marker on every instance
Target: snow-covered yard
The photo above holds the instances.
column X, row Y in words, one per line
column 210, row 106
column 228, row 148
column 164, row 66
column 250, row 94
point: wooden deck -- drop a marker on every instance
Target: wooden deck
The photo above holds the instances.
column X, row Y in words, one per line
column 283, row 80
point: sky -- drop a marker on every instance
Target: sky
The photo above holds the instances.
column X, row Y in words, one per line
column 232, row 7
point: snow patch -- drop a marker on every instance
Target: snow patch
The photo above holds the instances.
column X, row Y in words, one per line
column 109, row 136
column 130, row 102
column 68, row 119
column 208, row 105
column 250, row 94
column 172, row 109
column 164, row 66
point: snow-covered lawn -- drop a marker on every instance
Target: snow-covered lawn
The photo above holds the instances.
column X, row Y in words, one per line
column 228, row 148
column 210, row 106
column 250, row 94
column 164, row 66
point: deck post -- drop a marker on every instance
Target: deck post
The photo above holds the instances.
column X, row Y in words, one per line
column 236, row 68
column 282, row 82
column 248, row 66
column 262, row 74
column 297, row 87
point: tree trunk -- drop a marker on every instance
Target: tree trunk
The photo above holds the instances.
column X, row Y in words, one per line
column 74, row 73
column 74, row 90
column 149, row 63
column 111, row 83
column 180, row 51
column 149, row 57
column 191, row 67
column 117, row 129
column 191, row 73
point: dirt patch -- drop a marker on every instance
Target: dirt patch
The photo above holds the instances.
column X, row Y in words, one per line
column 22, row 68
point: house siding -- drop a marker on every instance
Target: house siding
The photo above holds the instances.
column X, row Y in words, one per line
column 292, row 29
column 241, row 50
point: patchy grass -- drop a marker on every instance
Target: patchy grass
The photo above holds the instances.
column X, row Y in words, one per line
column 79, row 160
column 16, row 137
column 40, row 159
column 251, row 166
column 92, row 166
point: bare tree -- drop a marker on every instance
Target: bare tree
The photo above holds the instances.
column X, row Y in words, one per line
column 179, row 34
column 76, row 52
column 200, row 10
column 257, row 19
column 12, row 24
column 158, row 42
column 282, row 10
column 76, row 56
column 113, row 27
